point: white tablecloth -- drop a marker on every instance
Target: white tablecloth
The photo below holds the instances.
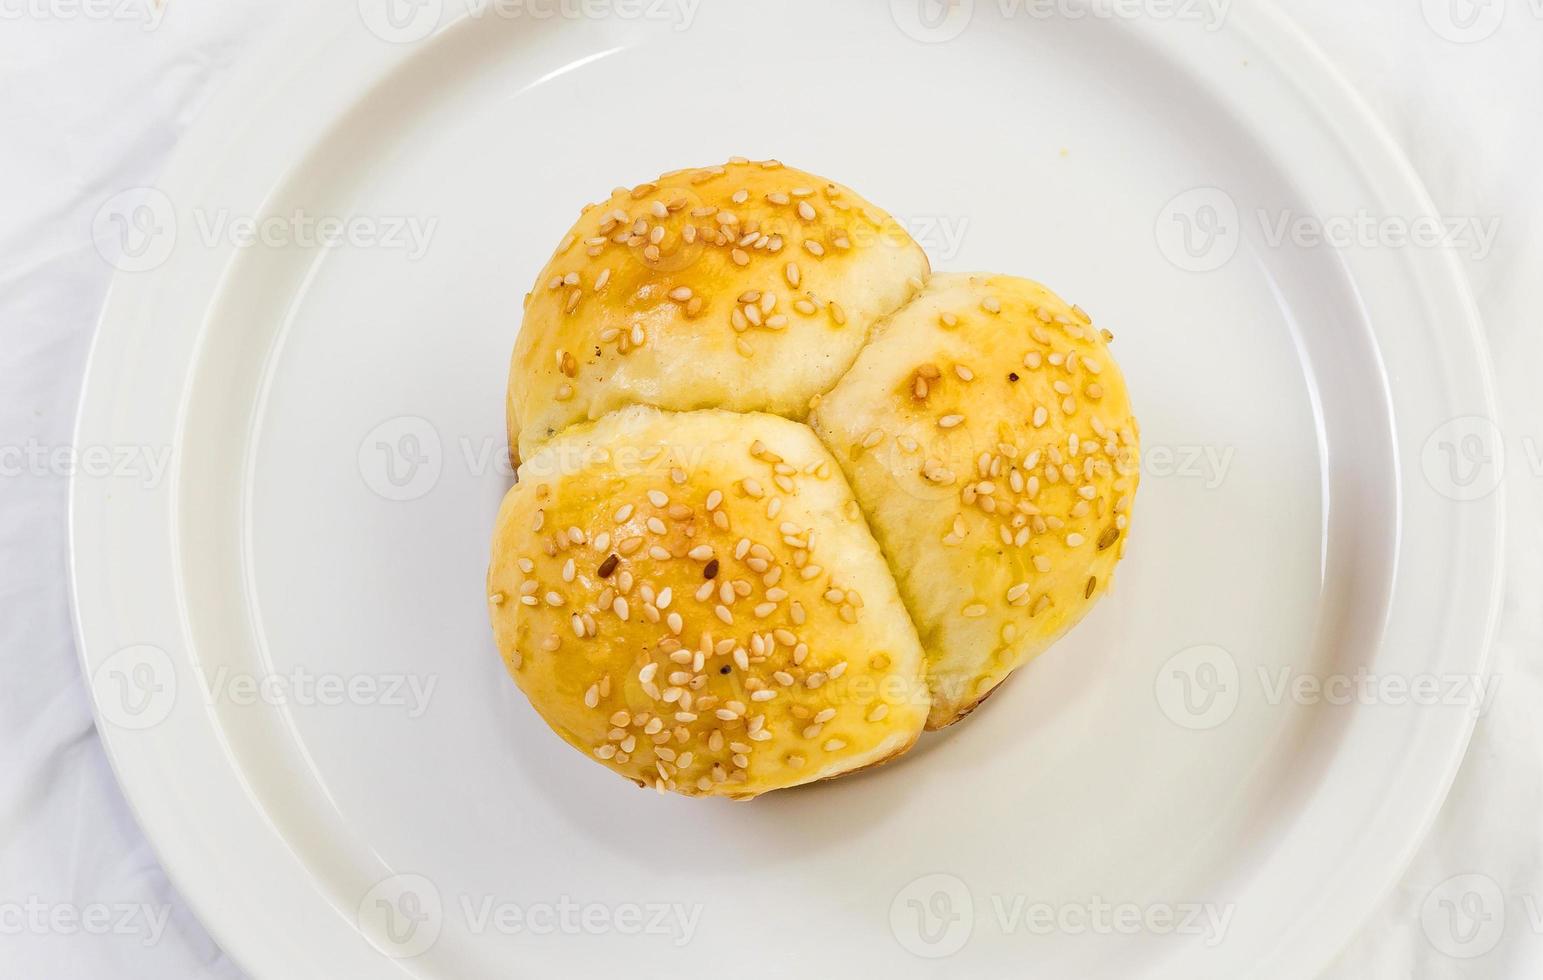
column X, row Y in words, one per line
column 93, row 96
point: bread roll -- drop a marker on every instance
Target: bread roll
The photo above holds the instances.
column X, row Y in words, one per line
column 724, row 379
column 749, row 287
column 695, row 601
column 988, row 435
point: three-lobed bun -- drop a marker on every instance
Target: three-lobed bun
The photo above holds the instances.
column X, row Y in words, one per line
column 684, row 581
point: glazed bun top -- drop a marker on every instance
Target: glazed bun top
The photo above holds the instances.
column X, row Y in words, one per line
column 749, row 287
column 694, row 601
column 988, row 434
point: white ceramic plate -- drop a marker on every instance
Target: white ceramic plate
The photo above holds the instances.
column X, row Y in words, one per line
column 286, row 635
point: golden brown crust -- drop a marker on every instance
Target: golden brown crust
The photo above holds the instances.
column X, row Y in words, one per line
column 988, row 435
column 962, row 713
column 877, row 763
column 694, row 601
column 747, row 287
